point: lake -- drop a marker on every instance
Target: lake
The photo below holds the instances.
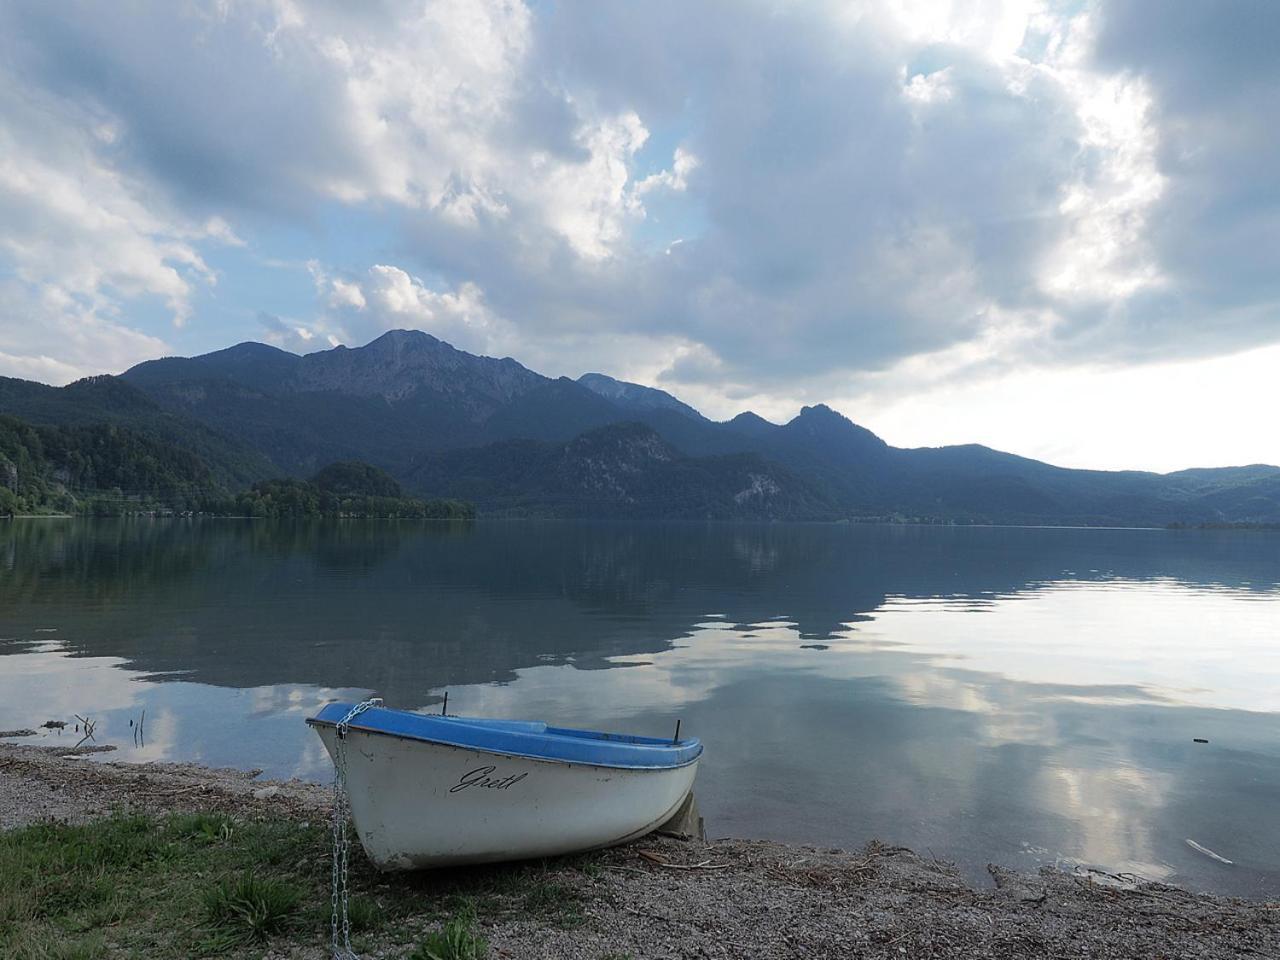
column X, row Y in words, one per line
column 1015, row 695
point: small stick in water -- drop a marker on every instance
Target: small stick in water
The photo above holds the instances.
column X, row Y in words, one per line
column 1209, row 853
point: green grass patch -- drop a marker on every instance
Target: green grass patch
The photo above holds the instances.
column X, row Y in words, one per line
column 135, row 886
column 249, row 909
column 364, row 914
column 202, row 827
column 206, row 884
column 456, row 940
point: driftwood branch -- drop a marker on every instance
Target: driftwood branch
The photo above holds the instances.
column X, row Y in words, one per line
column 659, row 860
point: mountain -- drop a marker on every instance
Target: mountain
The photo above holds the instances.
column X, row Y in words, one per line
column 443, row 422
column 751, row 425
column 388, row 402
column 634, row 397
column 104, row 399
column 94, row 466
column 620, row 470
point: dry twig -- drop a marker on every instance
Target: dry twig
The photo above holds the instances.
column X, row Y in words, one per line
column 661, row 861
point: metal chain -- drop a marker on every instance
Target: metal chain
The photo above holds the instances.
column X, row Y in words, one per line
column 340, row 917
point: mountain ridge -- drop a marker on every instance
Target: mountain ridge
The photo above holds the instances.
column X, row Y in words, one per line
column 635, row 396
column 441, row 420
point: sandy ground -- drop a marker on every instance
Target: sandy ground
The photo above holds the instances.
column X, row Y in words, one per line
column 662, row 897
column 51, row 783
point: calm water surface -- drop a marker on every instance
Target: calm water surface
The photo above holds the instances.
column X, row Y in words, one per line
column 1023, row 696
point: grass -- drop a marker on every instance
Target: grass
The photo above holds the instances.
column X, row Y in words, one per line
column 553, row 901
column 364, row 914
column 456, row 940
column 249, row 909
column 208, row 884
column 134, row 886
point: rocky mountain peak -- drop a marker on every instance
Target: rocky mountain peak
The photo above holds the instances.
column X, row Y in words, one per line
column 752, row 424
column 402, row 363
column 635, row 396
column 822, row 424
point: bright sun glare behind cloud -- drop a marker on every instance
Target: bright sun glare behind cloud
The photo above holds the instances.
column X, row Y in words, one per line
column 1161, row 417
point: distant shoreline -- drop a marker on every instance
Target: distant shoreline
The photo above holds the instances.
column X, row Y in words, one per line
column 854, row 522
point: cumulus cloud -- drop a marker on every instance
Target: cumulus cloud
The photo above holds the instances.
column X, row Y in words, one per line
column 387, row 297
column 50, row 335
column 683, row 163
column 345, row 294
column 73, row 219
column 81, row 239
column 289, row 334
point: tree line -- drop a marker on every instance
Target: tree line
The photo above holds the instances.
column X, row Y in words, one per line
column 104, row 469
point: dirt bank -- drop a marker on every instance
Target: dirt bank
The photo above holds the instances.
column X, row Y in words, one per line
column 662, row 897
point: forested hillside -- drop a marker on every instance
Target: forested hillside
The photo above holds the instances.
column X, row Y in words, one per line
column 110, row 400
column 106, row 469
column 97, row 467
column 348, row 489
column 622, row 470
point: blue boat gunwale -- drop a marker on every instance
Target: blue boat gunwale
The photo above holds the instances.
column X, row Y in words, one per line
column 531, row 740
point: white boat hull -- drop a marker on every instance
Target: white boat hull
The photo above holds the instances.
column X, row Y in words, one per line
column 419, row 804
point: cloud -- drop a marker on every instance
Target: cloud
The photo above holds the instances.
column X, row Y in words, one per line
column 1213, row 80
column 846, row 222
column 1161, row 416
column 81, row 238
column 52, row 336
column 298, row 336
column 683, row 163
column 72, row 219
column 344, row 294
column 386, row 297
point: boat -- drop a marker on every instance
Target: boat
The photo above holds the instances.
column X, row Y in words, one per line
column 436, row 791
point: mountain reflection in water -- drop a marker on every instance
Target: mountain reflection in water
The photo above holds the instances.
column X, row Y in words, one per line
column 1015, row 695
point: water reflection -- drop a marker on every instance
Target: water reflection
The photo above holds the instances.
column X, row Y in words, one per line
column 984, row 694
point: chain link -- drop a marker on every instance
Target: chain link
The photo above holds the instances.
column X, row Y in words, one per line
column 340, row 917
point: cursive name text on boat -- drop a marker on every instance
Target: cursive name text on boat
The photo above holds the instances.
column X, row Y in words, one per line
column 483, row 777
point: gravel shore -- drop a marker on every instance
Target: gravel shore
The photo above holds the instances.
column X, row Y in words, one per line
column 662, row 897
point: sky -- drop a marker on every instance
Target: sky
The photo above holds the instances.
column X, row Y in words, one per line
column 1049, row 227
